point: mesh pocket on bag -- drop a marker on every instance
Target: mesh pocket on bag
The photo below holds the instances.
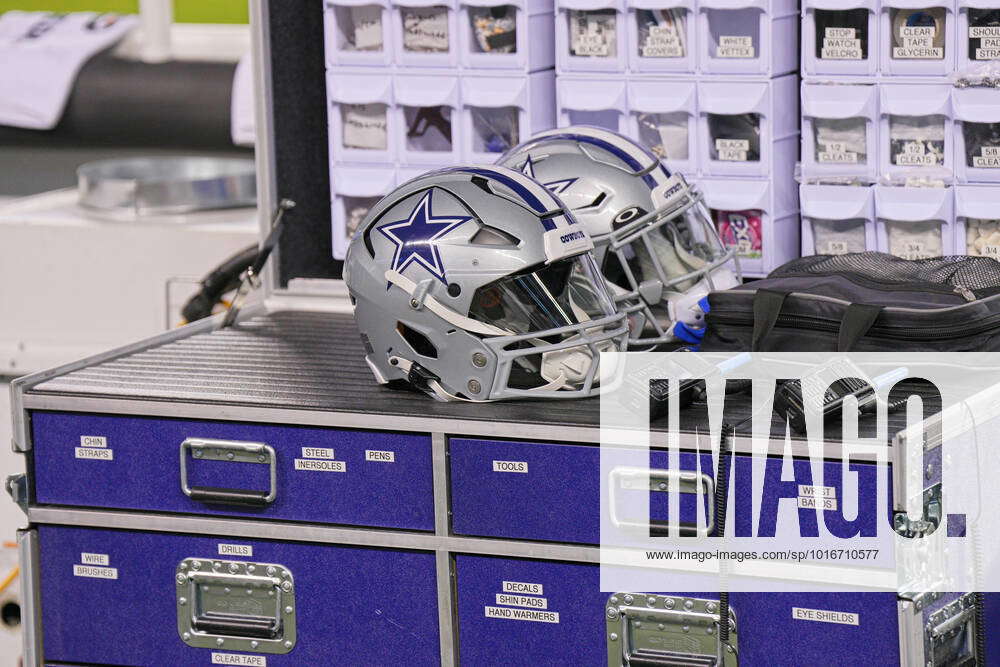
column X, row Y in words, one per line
column 974, row 273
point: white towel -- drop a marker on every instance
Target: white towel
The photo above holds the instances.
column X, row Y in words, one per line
column 41, row 54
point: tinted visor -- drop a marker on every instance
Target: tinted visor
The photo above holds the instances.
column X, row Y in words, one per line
column 567, row 292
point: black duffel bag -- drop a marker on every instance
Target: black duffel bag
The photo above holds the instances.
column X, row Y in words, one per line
column 862, row 302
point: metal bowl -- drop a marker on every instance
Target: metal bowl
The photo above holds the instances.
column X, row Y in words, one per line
column 142, row 187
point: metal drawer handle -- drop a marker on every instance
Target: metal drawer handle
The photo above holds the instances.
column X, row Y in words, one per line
column 662, row 481
column 237, row 452
column 236, row 605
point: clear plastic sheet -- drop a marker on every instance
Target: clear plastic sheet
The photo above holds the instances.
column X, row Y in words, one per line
column 428, row 128
column 495, row 129
column 364, row 126
column 915, row 239
column 665, row 134
column 662, row 33
column 916, row 141
column 918, row 34
column 359, row 28
column 425, row 29
column 841, row 140
column 734, row 138
column 838, row 237
column 494, row 29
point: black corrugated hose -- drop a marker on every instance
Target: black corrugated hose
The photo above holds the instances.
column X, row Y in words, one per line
column 220, row 280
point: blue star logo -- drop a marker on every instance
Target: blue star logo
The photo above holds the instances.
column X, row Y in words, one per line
column 555, row 187
column 416, row 237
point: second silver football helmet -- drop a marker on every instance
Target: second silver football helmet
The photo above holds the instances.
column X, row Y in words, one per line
column 653, row 237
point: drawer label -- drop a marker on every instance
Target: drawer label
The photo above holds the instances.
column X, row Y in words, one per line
column 522, row 601
column 841, row 617
column 817, row 497
column 321, row 465
column 238, row 659
column 510, row 466
column 93, row 441
column 317, row 453
column 235, row 550
column 94, row 559
column 377, row 455
column 522, row 588
column 95, row 453
column 522, row 614
column 95, row 572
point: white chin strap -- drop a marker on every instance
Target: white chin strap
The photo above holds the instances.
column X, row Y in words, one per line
column 443, row 311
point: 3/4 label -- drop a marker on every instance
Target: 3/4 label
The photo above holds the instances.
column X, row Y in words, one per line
column 239, row 659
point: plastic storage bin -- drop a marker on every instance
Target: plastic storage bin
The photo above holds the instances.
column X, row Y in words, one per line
column 749, row 128
column 662, row 36
column 592, row 101
column 361, row 117
column 425, row 33
column 590, row 36
column 977, row 220
column 353, row 191
column 977, row 134
column 839, row 131
column 840, row 37
column 837, row 219
column 506, row 34
column 977, row 32
column 500, row 112
column 915, row 128
column 358, row 32
column 917, row 37
column 758, row 217
column 748, row 36
column 663, row 117
column 915, row 223
column 428, row 131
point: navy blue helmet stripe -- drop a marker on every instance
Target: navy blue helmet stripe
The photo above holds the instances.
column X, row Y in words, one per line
column 611, row 148
column 527, row 195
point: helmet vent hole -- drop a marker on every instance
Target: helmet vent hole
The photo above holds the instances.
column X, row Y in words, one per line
column 492, row 236
column 598, row 200
column 454, row 290
column 420, row 343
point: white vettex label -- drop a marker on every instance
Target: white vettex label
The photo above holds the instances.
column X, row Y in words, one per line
column 523, row 588
column 95, row 453
column 320, row 465
column 522, row 601
column 94, row 559
column 522, row 614
column 510, row 466
column 93, row 441
column 95, row 572
column 823, row 616
column 380, row 456
column 817, row 497
column 735, row 47
column 238, row 659
column 317, row 453
column 235, row 550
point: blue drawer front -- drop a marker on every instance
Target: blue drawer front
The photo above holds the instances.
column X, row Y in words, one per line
column 558, row 498
column 769, row 636
column 352, row 604
column 144, row 473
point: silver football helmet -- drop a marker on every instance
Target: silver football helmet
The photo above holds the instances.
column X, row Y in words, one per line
column 474, row 283
column 653, row 236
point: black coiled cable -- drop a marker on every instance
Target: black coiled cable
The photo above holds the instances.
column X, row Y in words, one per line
column 721, row 502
